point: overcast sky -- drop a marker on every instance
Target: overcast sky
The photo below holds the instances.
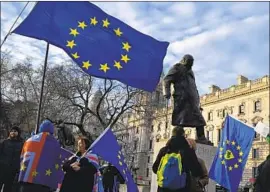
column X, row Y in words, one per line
column 225, row 38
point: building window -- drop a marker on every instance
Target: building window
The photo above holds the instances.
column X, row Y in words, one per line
column 148, row 160
column 242, row 109
column 132, row 159
column 135, row 145
column 150, row 144
column 255, row 153
column 152, row 128
column 224, row 113
column 137, row 130
column 219, row 135
column 210, row 116
column 207, row 134
column 147, row 172
column 159, row 127
column 257, row 106
column 254, row 172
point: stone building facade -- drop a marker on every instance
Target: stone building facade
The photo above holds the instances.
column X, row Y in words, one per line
column 247, row 101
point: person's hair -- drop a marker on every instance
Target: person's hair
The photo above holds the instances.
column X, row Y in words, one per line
column 268, row 157
column 86, row 141
column 178, row 131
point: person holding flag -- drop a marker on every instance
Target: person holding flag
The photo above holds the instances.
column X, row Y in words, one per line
column 232, row 154
column 113, row 156
column 79, row 171
column 39, row 168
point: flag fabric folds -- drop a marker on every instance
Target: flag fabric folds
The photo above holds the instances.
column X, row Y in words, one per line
column 64, row 156
column 93, row 158
column 232, row 154
column 114, row 156
column 40, row 161
column 102, row 45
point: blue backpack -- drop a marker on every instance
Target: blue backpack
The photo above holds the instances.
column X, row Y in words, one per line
column 170, row 172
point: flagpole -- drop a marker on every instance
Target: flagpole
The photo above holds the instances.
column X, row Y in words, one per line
column 42, row 87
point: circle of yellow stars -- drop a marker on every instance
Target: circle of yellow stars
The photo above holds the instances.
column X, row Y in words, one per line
column 48, row 172
column 105, row 24
column 228, row 155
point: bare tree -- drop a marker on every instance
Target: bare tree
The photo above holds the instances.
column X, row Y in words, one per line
column 77, row 89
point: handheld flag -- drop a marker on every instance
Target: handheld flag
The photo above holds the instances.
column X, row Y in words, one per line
column 262, row 129
column 114, row 156
column 229, row 163
column 40, row 162
column 93, row 158
column 63, row 156
column 102, row 45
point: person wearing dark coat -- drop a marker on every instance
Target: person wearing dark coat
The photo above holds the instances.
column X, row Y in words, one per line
column 262, row 183
column 10, row 151
column 178, row 143
column 186, row 112
column 79, row 172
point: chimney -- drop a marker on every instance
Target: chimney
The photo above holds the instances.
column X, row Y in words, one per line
column 241, row 79
column 214, row 88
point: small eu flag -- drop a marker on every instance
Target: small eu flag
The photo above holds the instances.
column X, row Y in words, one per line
column 229, row 163
column 102, row 45
column 113, row 155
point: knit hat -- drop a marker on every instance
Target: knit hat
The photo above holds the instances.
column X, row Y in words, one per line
column 46, row 126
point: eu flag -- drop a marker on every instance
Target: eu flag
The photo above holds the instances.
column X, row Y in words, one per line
column 102, row 45
column 229, row 163
column 113, row 155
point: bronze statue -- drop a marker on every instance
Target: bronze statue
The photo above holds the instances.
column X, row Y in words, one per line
column 187, row 110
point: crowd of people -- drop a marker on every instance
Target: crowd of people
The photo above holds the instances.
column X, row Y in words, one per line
column 177, row 161
column 80, row 173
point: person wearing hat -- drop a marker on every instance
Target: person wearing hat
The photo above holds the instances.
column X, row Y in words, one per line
column 10, row 151
column 187, row 110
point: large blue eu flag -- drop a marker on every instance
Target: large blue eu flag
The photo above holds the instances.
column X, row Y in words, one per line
column 229, row 163
column 107, row 147
column 102, row 45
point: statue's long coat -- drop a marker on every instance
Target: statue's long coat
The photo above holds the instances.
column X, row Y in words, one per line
column 186, row 111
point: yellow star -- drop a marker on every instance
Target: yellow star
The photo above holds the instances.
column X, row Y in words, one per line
column 34, row 173
column 240, row 153
column 228, row 142
column 71, row 44
column 106, row 23
column 221, row 149
column 56, row 166
column 93, row 21
column 230, row 168
column 118, row 32
column 74, row 32
column 23, row 167
column 75, row 55
column 238, row 147
column 118, row 66
column 240, row 160
column 82, row 25
column 120, row 163
column 236, row 165
column 220, row 156
column 119, row 157
column 86, row 64
column 104, row 67
column 126, row 46
column 223, row 162
column 48, row 172
column 125, row 58
column 233, row 143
